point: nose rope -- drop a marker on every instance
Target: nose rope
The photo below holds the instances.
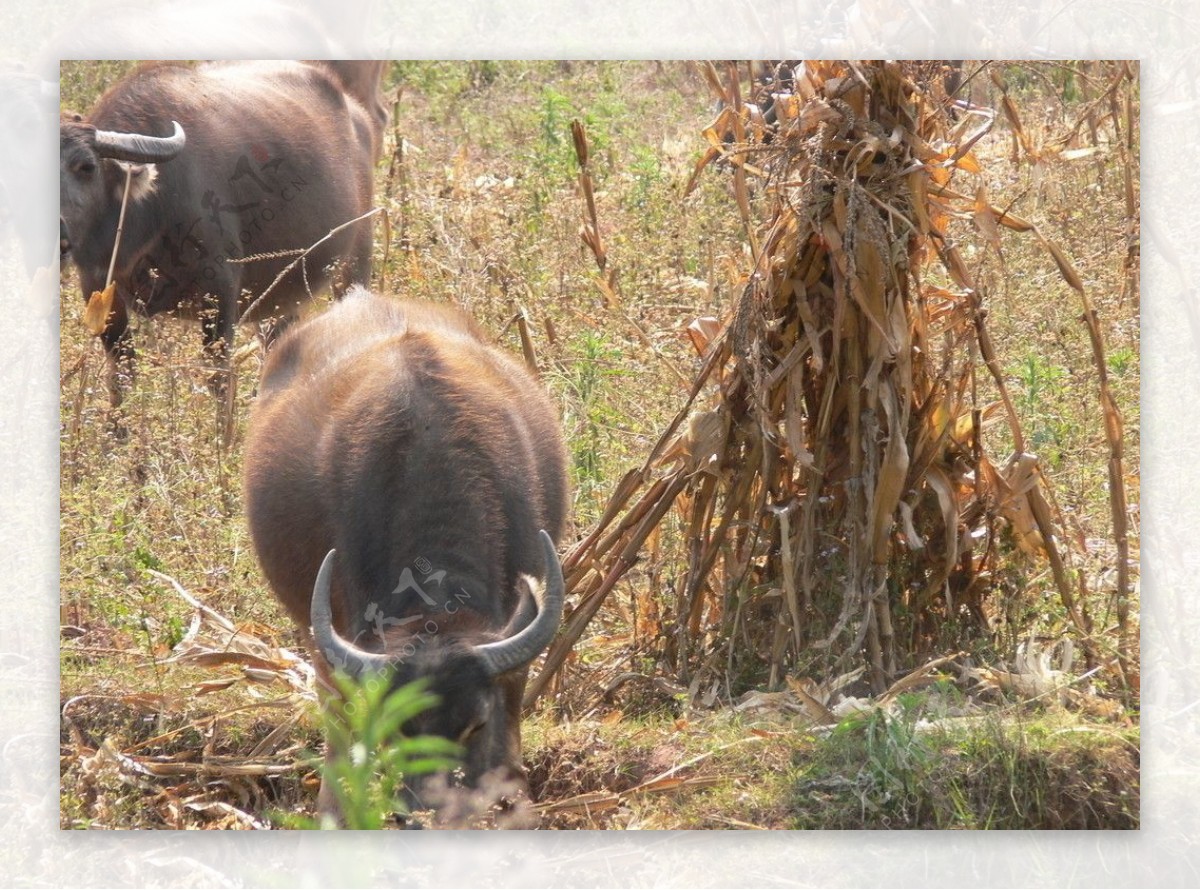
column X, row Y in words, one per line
column 112, row 264
column 99, row 304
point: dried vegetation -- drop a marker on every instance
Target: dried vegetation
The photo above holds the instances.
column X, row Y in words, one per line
column 850, row 382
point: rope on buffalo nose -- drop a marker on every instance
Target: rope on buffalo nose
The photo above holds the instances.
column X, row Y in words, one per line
column 99, row 304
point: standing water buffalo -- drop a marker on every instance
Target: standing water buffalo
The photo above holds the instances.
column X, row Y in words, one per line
column 404, row 484
column 229, row 160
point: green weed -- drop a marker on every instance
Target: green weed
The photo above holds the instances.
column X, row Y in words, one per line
column 594, row 369
column 369, row 758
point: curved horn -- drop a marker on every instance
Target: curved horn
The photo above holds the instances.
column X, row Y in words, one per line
column 523, row 646
column 339, row 653
column 138, row 148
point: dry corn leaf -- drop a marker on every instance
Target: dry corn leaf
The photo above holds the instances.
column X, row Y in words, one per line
column 220, row 767
column 852, row 705
column 967, row 162
column 964, row 426
column 816, row 709
column 147, row 702
column 918, row 186
column 892, row 474
column 920, row 677
column 716, row 131
column 1014, row 121
column 873, row 277
column 1064, row 265
column 710, row 155
column 266, row 675
column 210, row 658
column 915, row 541
column 671, row 783
column 794, row 422
column 1012, row 221
column 206, row 686
column 99, row 305
column 984, row 217
column 827, row 689
column 235, row 818
column 767, row 733
column 757, row 701
column 1074, row 154
column 702, row 441
column 713, row 79
column 591, row 802
column 702, row 331
column 948, row 501
column 1013, row 502
column 953, row 261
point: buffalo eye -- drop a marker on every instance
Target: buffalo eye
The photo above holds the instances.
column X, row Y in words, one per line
column 86, row 167
column 470, row 730
column 476, row 723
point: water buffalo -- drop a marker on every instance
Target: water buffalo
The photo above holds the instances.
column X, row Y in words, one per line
column 405, row 483
column 229, row 160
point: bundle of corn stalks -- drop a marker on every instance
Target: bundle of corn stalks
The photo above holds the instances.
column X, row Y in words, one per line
column 829, row 464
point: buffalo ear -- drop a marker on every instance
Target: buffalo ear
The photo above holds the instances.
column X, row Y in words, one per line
column 78, row 118
column 142, row 180
column 527, row 608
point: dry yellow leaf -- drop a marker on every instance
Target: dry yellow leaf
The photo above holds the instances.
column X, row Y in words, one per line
column 99, row 305
column 892, row 475
column 206, row 686
column 984, row 216
column 1064, row 265
column 1012, row 221
column 917, row 185
column 708, row 157
column 948, row 501
column 1018, row 480
column 703, row 331
column 967, row 162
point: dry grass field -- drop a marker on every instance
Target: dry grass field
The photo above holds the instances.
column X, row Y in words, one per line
column 172, row 720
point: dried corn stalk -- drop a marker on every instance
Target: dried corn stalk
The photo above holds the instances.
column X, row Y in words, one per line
column 833, row 484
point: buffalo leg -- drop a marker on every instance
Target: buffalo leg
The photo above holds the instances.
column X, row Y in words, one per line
column 118, row 349
column 217, row 320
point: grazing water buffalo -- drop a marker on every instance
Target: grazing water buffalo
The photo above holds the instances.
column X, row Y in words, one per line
column 405, row 483
column 229, row 160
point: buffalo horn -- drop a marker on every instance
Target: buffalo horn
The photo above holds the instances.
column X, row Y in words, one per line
column 336, row 651
column 524, row 646
column 139, row 148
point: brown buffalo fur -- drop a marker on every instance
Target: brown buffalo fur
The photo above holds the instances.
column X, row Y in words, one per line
column 363, row 81
column 394, row 433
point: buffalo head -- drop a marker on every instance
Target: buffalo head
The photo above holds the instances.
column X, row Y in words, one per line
column 92, row 177
column 472, row 680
